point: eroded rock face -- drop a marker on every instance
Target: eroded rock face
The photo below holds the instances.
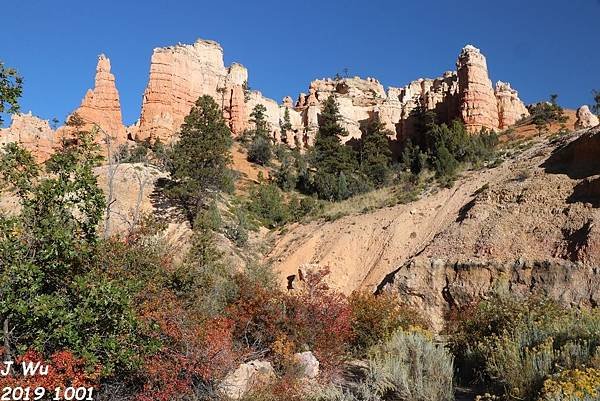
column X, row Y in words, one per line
column 585, row 118
column 433, row 286
column 180, row 74
column 510, row 108
column 478, row 106
column 101, row 105
column 466, row 94
column 32, row 133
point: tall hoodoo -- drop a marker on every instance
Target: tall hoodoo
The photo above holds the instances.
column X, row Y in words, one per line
column 478, row 107
column 101, row 105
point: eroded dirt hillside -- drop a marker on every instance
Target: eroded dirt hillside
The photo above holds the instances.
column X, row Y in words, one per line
column 529, row 208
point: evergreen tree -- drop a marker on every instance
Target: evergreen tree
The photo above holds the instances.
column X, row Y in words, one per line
column 596, row 104
column 260, row 150
column 11, row 89
column 330, row 157
column 286, row 126
column 201, row 157
column 375, row 154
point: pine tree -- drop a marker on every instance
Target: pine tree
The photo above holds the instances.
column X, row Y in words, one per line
column 330, row 156
column 286, row 126
column 596, row 104
column 375, row 154
column 200, row 158
column 260, row 150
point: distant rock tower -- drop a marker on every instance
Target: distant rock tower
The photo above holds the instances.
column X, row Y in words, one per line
column 101, row 105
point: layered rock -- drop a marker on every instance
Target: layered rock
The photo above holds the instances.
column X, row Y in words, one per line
column 180, row 74
column 510, row 108
column 436, row 286
column 585, row 118
column 32, row 133
column 101, row 105
column 478, row 106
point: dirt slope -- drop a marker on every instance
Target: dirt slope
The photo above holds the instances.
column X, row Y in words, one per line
column 520, row 209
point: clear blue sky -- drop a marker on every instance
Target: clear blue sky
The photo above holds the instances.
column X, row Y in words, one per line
column 540, row 46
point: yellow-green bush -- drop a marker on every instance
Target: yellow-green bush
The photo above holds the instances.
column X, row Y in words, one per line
column 572, row 385
column 514, row 345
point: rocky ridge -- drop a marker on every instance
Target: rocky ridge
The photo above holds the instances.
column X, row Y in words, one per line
column 466, row 93
column 180, row 74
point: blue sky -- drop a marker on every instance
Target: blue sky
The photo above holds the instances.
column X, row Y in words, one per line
column 540, row 46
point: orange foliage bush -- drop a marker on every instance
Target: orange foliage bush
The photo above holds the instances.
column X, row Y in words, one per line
column 193, row 350
column 278, row 324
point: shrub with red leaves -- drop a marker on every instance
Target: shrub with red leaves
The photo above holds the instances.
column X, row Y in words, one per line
column 64, row 370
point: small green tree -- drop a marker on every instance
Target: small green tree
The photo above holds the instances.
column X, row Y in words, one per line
column 596, row 104
column 199, row 162
column 375, row 154
column 11, row 89
column 330, row 157
column 52, row 296
column 286, row 126
column 260, row 150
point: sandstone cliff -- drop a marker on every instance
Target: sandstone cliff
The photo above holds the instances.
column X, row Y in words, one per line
column 434, row 286
column 182, row 73
column 585, row 118
column 32, row 133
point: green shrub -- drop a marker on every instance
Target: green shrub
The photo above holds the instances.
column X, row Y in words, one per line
column 376, row 318
column 259, row 151
column 409, row 366
column 267, row 203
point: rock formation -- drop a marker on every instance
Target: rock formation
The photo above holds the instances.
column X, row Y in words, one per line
column 246, row 377
column 434, row 286
column 182, row 73
column 32, row 133
column 585, row 118
column 510, row 108
column 466, row 94
column 478, row 106
column 101, row 105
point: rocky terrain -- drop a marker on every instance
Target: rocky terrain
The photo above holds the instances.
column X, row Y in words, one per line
column 526, row 225
column 522, row 224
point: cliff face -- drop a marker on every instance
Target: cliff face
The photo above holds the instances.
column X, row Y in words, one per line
column 32, row 133
column 510, row 108
column 434, row 286
column 478, row 107
column 182, row 73
column 101, row 105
